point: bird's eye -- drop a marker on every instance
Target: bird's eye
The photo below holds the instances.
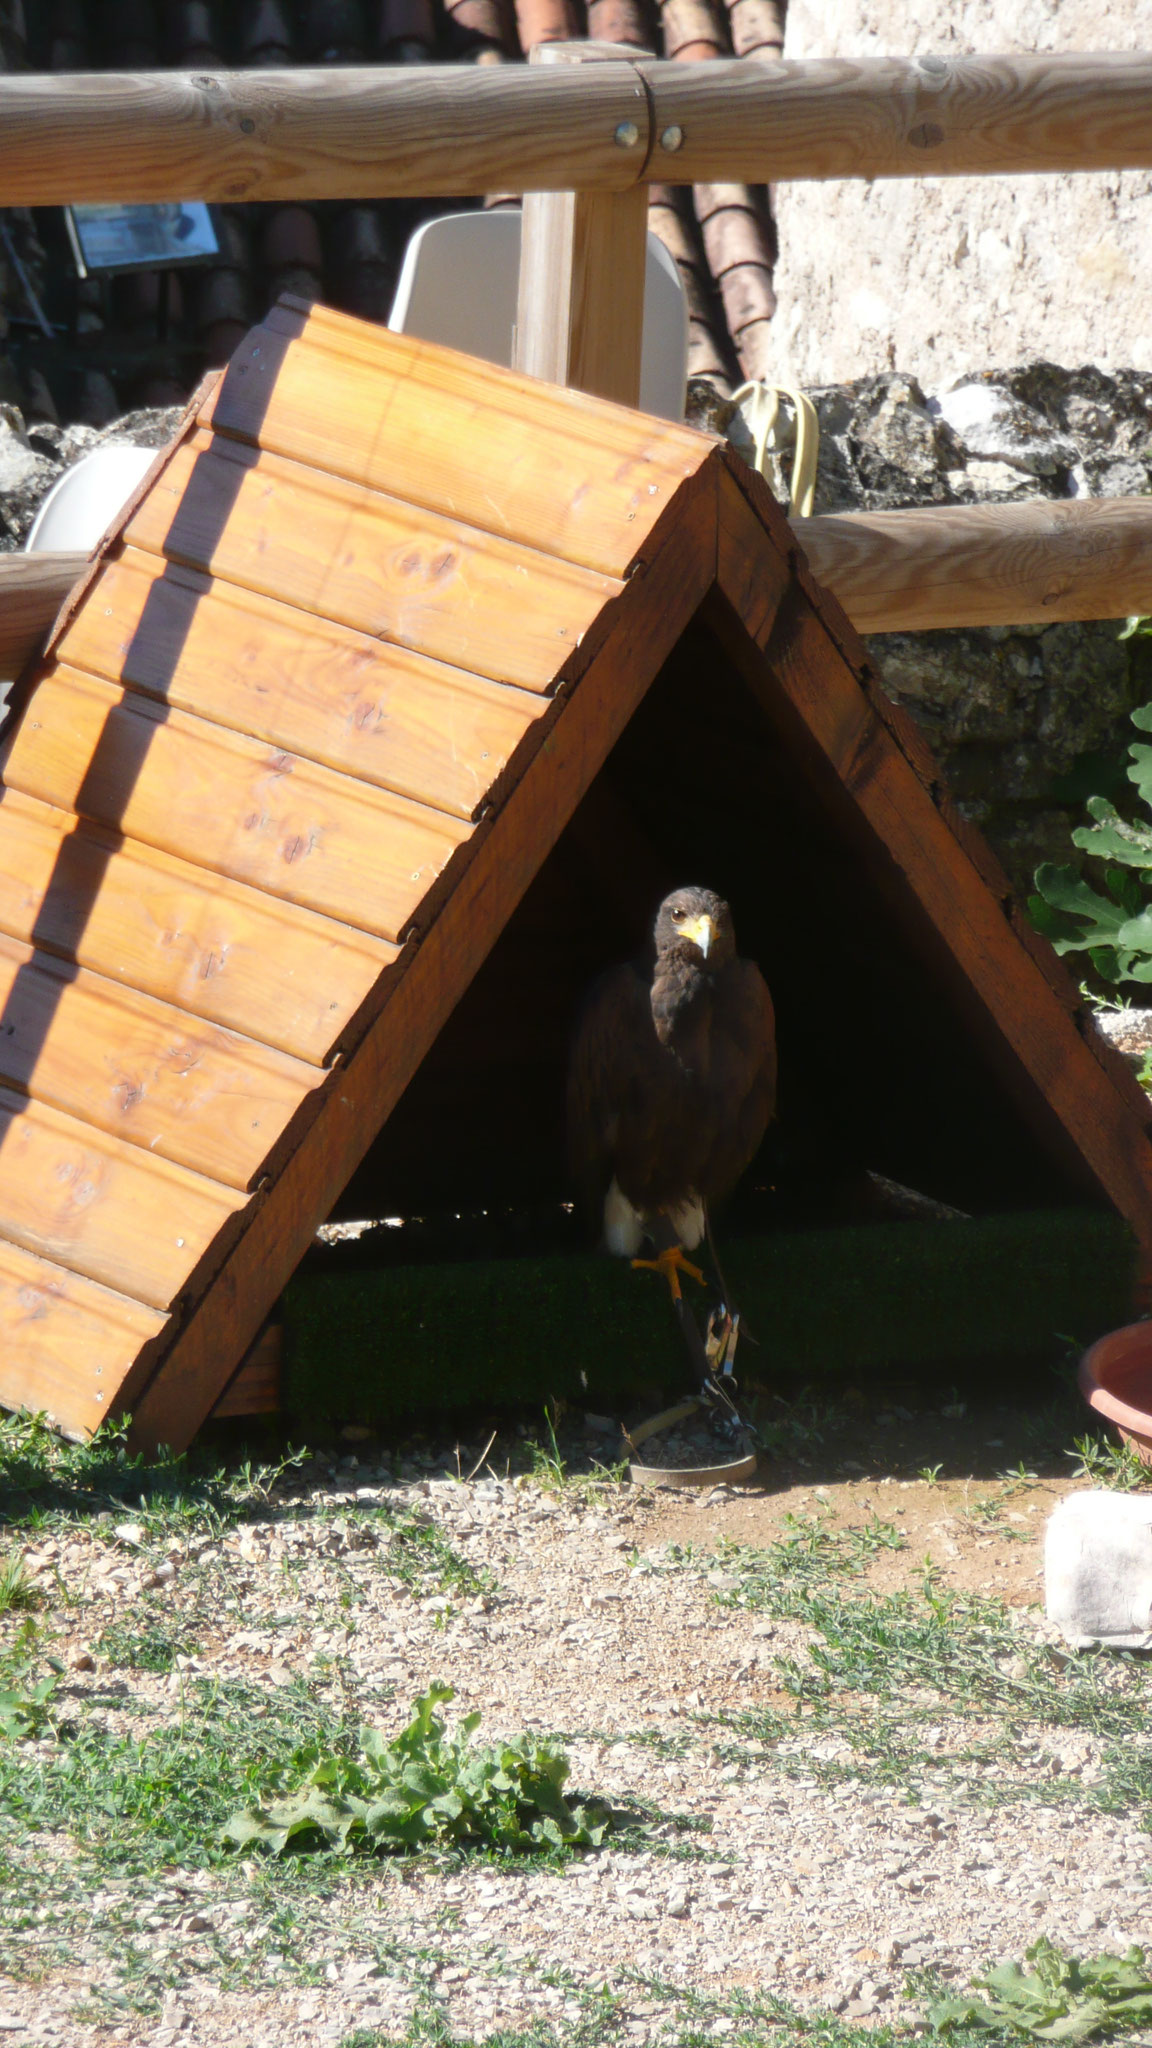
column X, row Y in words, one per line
column 679, row 914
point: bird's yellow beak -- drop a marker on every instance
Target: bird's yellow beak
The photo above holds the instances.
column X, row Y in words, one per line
column 700, row 930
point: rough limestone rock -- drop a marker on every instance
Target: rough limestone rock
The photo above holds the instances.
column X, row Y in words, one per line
column 1026, row 721
column 940, row 275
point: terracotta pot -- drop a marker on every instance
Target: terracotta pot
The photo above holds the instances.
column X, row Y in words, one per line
column 1116, row 1380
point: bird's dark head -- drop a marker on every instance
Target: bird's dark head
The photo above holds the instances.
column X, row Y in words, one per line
column 696, row 925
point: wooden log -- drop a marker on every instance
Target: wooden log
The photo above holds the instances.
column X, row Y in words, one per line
column 580, row 310
column 345, row 133
column 897, row 117
column 985, row 565
column 418, row 131
column 205, row 1098
column 943, row 567
column 32, row 590
column 111, row 1211
column 65, row 1342
column 343, row 699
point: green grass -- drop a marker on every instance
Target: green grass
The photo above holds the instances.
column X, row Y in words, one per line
column 877, row 1668
column 47, row 1482
column 17, row 1592
column 751, row 2026
column 154, row 1647
column 120, row 1787
column 1060, row 1997
column 425, row 1561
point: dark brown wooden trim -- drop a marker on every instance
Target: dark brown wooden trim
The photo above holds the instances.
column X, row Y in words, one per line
column 1088, row 1109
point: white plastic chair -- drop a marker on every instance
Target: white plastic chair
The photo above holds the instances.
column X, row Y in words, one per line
column 459, row 283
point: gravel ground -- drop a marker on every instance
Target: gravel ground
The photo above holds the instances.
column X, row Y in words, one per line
column 770, row 1868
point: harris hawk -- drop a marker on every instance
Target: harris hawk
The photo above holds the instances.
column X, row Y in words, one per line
column 671, row 1082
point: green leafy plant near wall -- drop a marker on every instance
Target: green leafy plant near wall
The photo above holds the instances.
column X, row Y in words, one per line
column 1115, row 929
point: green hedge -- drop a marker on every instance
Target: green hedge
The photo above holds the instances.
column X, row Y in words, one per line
column 377, row 1345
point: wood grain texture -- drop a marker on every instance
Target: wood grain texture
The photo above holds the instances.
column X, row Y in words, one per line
column 417, row 131
column 580, row 308
column 102, row 1208
column 255, row 813
column 901, row 117
column 217, row 949
column 143, row 1071
column 580, row 311
column 32, row 590
column 640, row 632
column 356, row 132
column 370, row 562
column 381, row 713
column 1026, row 1031
column 66, row 1345
column 985, row 565
column 558, row 474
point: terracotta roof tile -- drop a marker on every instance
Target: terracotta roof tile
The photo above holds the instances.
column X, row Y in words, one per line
column 722, row 237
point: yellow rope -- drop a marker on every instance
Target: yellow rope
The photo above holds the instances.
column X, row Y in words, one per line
column 760, row 404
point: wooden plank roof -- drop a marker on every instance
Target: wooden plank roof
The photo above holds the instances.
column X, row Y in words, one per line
column 327, row 699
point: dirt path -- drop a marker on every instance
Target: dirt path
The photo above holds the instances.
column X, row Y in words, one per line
column 789, row 1844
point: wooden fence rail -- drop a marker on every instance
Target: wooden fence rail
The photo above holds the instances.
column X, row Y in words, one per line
column 456, row 130
column 985, row 565
column 32, row 590
column 893, row 572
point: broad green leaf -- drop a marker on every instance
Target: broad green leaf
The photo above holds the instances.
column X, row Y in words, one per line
column 1085, row 2017
column 1067, row 892
column 1113, row 837
column 1140, row 771
column 421, row 1786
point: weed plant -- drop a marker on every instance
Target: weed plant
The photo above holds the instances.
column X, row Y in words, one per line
column 1108, row 1463
column 425, row 1788
column 17, row 1592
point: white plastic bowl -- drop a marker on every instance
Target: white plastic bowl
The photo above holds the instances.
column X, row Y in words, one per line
column 84, row 501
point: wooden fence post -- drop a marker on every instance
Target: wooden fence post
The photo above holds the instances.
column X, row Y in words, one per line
column 580, row 314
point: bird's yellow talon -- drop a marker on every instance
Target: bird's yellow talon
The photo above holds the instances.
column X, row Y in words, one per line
column 671, row 1263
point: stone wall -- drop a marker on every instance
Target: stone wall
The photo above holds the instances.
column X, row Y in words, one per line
column 938, row 276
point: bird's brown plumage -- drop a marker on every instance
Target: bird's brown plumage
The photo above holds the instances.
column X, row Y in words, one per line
column 672, row 1079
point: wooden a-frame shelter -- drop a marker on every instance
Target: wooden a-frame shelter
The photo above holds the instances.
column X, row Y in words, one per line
column 338, row 679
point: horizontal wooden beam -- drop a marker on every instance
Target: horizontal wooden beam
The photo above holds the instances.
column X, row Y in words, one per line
column 985, row 565
column 420, row 131
column 902, row 117
column 32, row 590
column 893, row 572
